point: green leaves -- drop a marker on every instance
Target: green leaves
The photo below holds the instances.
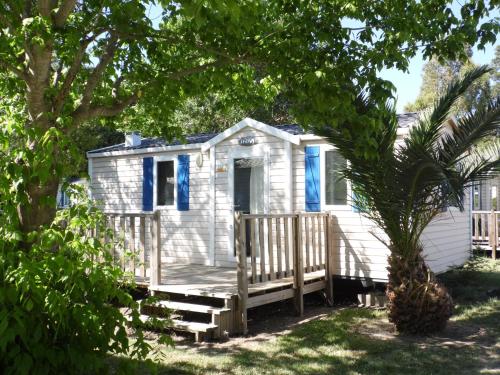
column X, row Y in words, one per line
column 59, row 307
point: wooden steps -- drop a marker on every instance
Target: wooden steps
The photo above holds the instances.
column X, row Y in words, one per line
column 192, row 307
column 205, row 321
column 200, row 330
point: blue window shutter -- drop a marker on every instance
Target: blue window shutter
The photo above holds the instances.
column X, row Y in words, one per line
column 183, row 183
column 313, row 186
column 147, row 184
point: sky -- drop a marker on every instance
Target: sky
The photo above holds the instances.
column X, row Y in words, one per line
column 408, row 84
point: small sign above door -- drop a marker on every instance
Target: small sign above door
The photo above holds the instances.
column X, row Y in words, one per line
column 247, row 141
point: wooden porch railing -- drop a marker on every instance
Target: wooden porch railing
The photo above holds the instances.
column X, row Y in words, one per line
column 135, row 243
column 485, row 230
column 270, row 248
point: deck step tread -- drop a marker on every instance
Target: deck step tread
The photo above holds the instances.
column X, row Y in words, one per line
column 191, row 307
column 193, row 327
column 222, row 292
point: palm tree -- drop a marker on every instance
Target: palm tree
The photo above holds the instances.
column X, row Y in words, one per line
column 404, row 187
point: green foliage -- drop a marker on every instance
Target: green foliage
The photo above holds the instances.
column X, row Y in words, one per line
column 94, row 63
column 60, row 291
column 59, row 301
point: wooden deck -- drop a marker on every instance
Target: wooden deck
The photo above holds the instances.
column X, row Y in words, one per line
column 198, row 280
column 216, row 282
column 282, row 257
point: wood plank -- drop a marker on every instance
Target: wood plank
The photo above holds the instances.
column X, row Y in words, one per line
column 476, row 226
column 306, row 226
column 241, row 275
column 113, row 237
column 196, row 290
column 278, row 247
column 253, row 250
column 264, row 299
column 192, row 307
column 269, row 285
column 484, row 221
column 142, row 245
column 287, row 247
column 122, row 242
column 262, row 251
column 314, row 248
column 314, row 287
column 155, row 260
column 298, row 268
column 320, row 243
column 132, row 244
column 270, row 248
column 330, row 247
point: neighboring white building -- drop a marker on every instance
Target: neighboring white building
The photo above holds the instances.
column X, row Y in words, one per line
column 257, row 168
column 485, row 195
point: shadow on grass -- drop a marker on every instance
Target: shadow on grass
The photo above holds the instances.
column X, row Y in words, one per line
column 361, row 341
column 333, row 346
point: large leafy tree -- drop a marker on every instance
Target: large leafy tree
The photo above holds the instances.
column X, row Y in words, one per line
column 409, row 184
column 66, row 62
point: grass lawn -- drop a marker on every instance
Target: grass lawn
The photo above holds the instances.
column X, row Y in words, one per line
column 361, row 341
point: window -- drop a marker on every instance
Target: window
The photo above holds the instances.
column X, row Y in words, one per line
column 165, row 183
column 476, row 197
column 335, row 184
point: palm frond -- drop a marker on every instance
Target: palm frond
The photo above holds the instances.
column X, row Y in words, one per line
column 430, row 127
column 470, row 129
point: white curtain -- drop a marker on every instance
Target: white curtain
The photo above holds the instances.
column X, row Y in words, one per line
column 257, row 189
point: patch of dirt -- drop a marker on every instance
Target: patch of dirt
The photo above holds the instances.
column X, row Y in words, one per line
column 264, row 324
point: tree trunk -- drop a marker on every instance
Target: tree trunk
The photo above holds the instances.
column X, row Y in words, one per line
column 417, row 302
column 39, row 210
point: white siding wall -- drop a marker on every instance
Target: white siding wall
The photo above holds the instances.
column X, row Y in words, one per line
column 448, row 239
column 117, row 184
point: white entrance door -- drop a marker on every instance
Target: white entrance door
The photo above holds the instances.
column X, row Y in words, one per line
column 248, row 181
column 248, row 190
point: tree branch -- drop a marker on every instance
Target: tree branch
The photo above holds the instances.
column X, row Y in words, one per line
column 71, row 75
column 96, row 75
column 85, row 114
column 65, row 8
column 204, row 67
column 44, row 7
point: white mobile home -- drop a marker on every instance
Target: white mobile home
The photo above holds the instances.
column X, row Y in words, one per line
column 258, row 169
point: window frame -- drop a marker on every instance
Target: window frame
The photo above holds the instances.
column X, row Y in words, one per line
column 156, row 160
column 322, row 165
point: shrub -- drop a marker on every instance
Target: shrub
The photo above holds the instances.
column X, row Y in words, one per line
column 59, row 300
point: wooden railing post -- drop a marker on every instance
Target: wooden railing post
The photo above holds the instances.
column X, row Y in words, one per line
column 242, row 275
column 329, row 254
column 142, row 244
column 298, row 265
column 155, row 261
column 493, row 233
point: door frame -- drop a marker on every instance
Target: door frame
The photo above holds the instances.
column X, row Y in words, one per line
column 243, row 152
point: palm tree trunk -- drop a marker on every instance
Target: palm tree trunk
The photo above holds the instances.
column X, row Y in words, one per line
column 417, row 302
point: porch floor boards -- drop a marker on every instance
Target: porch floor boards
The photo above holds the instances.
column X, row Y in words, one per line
column 217, row 282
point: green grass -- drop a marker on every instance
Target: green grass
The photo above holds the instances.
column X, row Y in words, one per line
column 361, row 341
